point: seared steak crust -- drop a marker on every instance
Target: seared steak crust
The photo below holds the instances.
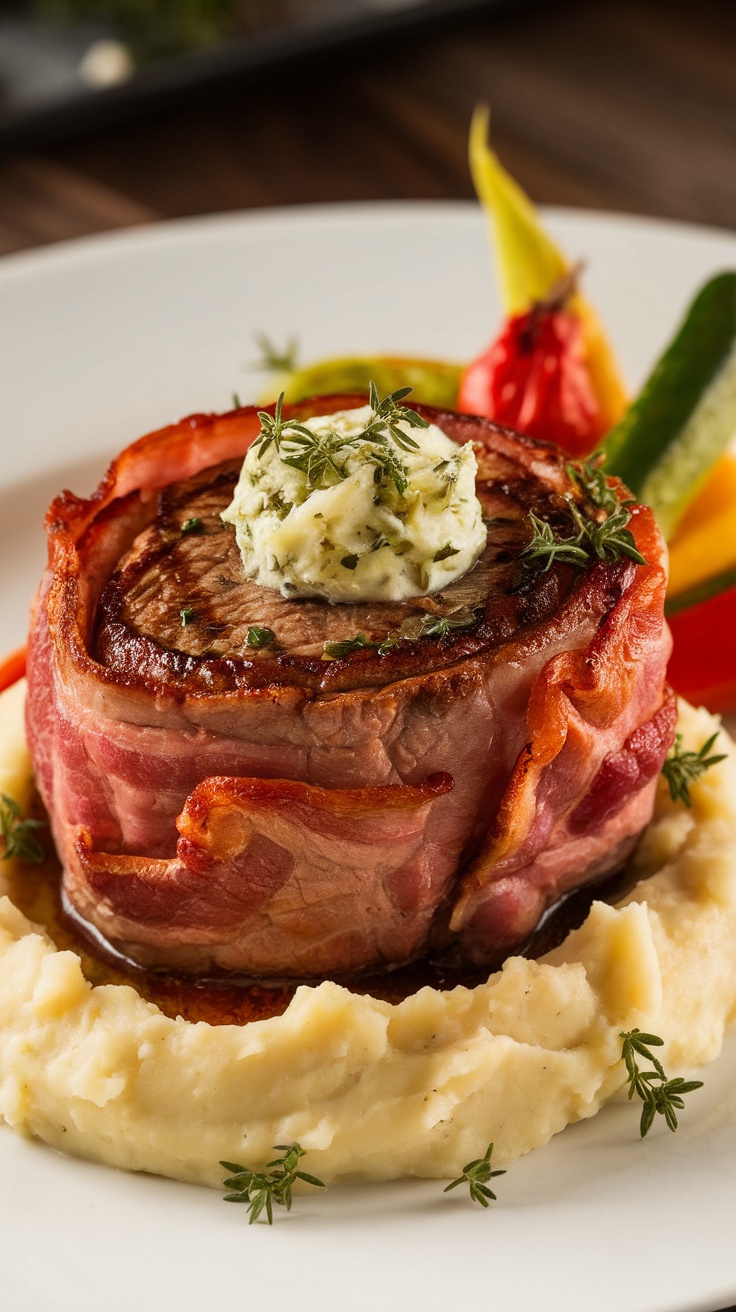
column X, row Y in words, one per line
column 272, row 812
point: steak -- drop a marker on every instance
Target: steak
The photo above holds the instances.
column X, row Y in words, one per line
column 435, row 785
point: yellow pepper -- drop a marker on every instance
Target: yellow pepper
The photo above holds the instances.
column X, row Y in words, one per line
column 529, row 264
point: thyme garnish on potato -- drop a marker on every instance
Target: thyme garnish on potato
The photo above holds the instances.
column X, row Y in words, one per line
column 659, row 1095
column 476, row 1175
column 606, row 539
column 259, row 1190
column 685, row 768
column 18, row 834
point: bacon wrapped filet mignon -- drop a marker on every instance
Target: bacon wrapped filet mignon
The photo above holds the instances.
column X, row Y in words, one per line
column 456, row 764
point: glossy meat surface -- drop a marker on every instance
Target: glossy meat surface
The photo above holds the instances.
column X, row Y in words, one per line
column 447, row 790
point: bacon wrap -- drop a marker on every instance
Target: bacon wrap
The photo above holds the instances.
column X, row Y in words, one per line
column 292, row 816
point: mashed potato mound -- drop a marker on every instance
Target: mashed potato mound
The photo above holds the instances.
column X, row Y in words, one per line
column 366, row 1087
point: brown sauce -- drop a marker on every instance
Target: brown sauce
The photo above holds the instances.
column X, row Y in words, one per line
column 36, row 890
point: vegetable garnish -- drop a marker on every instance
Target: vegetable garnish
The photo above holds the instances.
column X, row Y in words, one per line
column 476, row 1175
column 261, row 1189
column 659, row 1095
column 187, row 616
column 17, row 833
column 685, row 414
column 193, row 525
column 260, row 637
column 12, row 668
column 433, row 382
column 550, row 372
column 684, row 768
column 702, row 666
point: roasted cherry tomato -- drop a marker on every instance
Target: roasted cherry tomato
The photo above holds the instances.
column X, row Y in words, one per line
column 703, row 663
column 534, row 378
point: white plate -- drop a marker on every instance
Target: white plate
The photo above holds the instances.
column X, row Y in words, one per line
column 104, row 339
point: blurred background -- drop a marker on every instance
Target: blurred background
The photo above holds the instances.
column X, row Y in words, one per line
column 118, row 112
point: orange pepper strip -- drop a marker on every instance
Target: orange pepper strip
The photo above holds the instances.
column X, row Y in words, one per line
column 718, row 495
column 706, row 551
column 12, row 668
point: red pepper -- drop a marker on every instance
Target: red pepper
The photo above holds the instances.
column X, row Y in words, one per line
column 12, row 668
column 534, row 379
column 703, row 663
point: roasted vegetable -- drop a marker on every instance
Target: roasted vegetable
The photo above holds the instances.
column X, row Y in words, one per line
column 551, row 372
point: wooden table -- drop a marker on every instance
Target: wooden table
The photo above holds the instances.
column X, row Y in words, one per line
column 612, row 104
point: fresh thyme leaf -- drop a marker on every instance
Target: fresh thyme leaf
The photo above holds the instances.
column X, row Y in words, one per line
column 609, row 538
column 349, row 562
column 684, row 768
column 337, row 650
column 476, row 1175
column 259, row 637
column 543, row 545
column 259, row 1190
column 193, row 525
column 595, row 538
column 187, row 616
column 323, row 457
column 593, row 483
column 445, row 552
column 388, row 414
column 438, row 626
column 660, row 1096
column 314, row 454
column 274, row 360
column 390, row 641
column 235, row 398
column 18, row 834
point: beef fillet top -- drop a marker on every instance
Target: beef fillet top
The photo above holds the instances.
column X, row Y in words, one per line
column 272, row 812
column 168, row 570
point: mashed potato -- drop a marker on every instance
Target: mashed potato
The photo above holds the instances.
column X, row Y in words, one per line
column 369, row 1088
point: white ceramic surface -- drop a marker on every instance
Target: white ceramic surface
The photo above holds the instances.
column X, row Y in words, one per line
column 104, row 339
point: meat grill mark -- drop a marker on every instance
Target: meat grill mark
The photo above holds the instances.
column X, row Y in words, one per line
column 129, row 721
column 165, row 567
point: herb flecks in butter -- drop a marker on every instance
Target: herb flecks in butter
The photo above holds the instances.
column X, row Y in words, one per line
column 372, row 504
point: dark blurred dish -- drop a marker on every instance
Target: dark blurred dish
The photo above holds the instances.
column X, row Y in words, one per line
column 71, row 65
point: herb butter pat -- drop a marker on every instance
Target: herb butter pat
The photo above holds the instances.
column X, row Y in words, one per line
column 372, row 504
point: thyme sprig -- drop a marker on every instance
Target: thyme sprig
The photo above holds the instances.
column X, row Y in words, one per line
column 609, row 538
column 273, row 359
column 259, row 1190
column 546, row 546
column 659, row 1095
column 592, row 482
column 388, row 415
column 594, row 538
column 18, row 834
column 337, row 650
column 476, row 1175
column 439, row 626
column 323, row 457
column 684, row 768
